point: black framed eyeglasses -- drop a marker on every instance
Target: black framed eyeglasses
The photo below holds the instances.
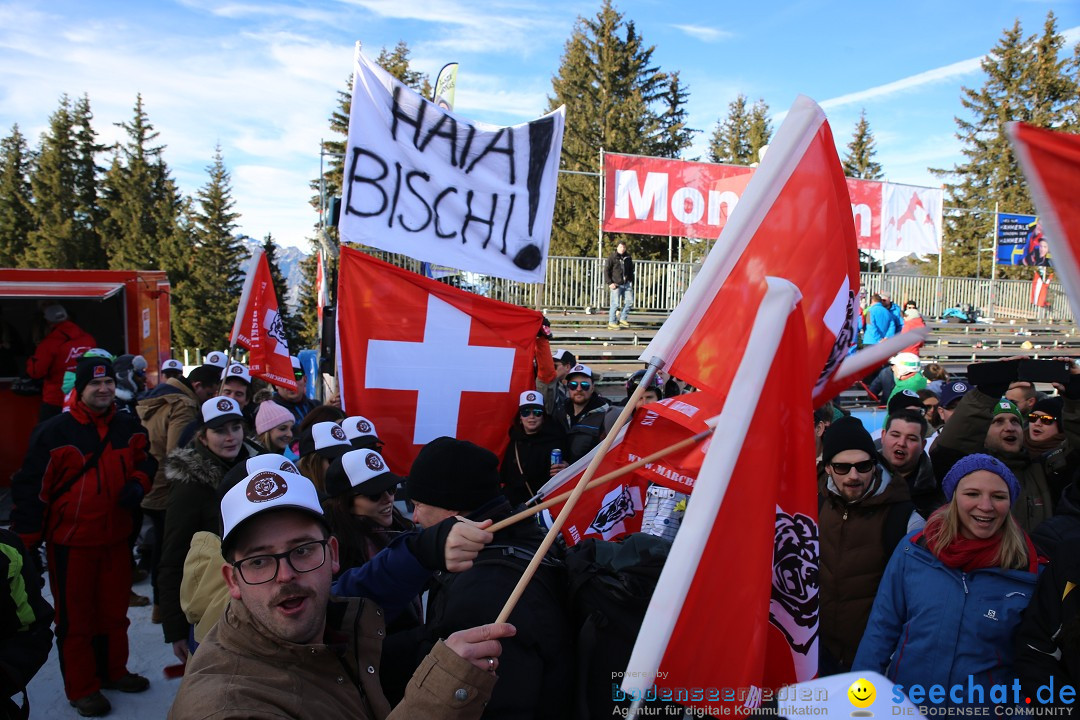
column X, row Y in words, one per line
column 531, row 412
column 863, row 466
column 575, row 384
column 260, row 569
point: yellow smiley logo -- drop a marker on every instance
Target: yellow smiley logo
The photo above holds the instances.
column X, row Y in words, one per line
column 862, row 693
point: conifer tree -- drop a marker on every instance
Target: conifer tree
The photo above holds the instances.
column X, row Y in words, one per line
column 16, row 198
column 760, row 131
column 616, row 99
column 207, row 299
column 1026, row 79
column 742, row 133
column 54, row 242
column 88, row 211
column 859, row 159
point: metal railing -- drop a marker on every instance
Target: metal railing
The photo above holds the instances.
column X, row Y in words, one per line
column 578, row 283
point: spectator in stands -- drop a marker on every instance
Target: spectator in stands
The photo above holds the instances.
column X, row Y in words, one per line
column 526, row 464
column 320, row 445
column 936, row 376
column 880, row 323
column 902, row 373
column 193, row 473
column 986, row 421
column 862, row 517
column 295, row 401
column 583, row 417
column 619, row 276
column 913, row 320
column 897, row 313
column 931, row 621
column 57, row 353
column 555, row 393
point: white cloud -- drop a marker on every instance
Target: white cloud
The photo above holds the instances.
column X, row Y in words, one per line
column 704, row 33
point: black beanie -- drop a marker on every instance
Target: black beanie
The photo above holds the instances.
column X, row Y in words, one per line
column 1052, row 406
column 90, row 369
column 454, row 475
column 847, row 433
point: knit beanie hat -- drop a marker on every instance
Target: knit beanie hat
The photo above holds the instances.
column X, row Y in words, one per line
column 1005, row 405
column 979, row 461
column 1051, row 406
column 91, row 368
column 847, row 433
column 454, row 475
column 270, row 415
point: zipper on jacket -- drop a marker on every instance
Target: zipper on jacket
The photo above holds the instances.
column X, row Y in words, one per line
column 963, row 579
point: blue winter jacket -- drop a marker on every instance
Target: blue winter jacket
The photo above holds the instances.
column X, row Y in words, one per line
column 935, row 625
column 880, row 324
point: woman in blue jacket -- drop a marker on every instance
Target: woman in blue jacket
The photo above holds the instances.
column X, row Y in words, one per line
column 951, row 598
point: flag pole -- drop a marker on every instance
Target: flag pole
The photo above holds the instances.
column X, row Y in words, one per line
column 602, row 480
column 241, row 307
column 654, row 365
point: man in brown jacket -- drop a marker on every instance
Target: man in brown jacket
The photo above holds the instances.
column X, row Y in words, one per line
column 286, row 648
column 165, row 413
column 862, row 517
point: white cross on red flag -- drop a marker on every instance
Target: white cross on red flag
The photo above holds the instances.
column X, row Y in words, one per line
column 425, row 359
column 259, row 328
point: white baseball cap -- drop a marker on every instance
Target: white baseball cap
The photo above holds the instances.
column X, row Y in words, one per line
column 215, row 358
column 171, row 364
column 358, row 426
column 239, row 372
column 580, row 369
column 360, row 472
column 326, row 438
column 531, row 398
column 267, row 490
column 219, row 410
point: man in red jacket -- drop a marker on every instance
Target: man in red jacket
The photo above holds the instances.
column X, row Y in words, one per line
column 55, row 355
column 83, row 472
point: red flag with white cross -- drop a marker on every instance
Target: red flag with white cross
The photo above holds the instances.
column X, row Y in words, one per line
column 424, row 359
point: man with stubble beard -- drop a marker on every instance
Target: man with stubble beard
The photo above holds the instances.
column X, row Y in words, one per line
column 986, row 421
column 902, row 458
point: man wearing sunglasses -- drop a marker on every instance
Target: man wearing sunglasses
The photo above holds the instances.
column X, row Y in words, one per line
column 583, row 417
column 295, row 401
column 862, row 517
column 285, row 647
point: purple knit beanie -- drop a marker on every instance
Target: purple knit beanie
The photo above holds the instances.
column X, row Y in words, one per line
column 979, row 461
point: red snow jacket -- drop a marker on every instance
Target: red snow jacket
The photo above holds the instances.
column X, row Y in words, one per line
column 58, row 500
column 55, row 355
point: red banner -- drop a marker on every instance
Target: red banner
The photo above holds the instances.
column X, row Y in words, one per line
column 656, row 196
column 261, row 331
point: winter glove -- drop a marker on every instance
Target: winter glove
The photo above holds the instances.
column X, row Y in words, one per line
column 545, row 331
column 131, row 494
column 429, row 545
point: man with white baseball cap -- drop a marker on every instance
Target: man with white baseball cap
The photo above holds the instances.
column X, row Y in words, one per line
column 217, row 358
column 286, row 647
column 171, row 369
column 582, row 417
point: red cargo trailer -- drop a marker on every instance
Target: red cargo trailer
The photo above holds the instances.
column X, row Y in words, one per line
column 127, row 311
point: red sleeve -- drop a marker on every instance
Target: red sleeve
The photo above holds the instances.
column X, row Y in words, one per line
column 545, row 364
column 38, row 364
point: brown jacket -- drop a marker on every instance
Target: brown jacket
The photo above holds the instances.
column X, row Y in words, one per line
column 165, row 415
column 241, row 671
column 854, row 553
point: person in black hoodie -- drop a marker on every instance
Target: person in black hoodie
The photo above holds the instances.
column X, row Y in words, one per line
column 526, row 465
column 454, row 477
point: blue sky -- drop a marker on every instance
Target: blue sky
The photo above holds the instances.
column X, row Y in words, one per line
column 260, row 77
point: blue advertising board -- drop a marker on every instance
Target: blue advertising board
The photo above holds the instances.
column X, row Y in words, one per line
column 1020, row 241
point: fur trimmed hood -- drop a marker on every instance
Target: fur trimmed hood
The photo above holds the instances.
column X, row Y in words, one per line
column 192, row 464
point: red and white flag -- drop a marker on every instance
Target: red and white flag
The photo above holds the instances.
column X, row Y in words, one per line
column 322, row 297
column 259, row 329
column 424, row 359
column 1039, row 287
column 722, row 617
column 736, row 606
column 794, row 222
column 1051, row 163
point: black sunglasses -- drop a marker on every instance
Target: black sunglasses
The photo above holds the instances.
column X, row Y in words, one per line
column 376, row 498
column 299, row 374
column 534, row 412
column 574, row 384
column 1042, row 419
column 863, row 466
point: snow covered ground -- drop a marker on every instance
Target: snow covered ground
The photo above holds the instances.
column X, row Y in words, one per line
column 148, row 655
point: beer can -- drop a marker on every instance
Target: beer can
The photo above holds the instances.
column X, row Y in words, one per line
column 556, row 456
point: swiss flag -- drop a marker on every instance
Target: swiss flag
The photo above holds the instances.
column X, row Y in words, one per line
column 793, row 222
column 259, row 328
column 1051, row 164
column 424, row 359
column 736, row 605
